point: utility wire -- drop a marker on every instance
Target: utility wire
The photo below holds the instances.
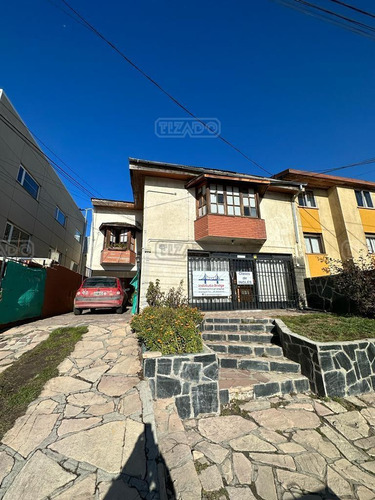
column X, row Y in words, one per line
column 45, row 156
column 48, row 148
column 329, row 16
column 159, row 86
column 352, row 7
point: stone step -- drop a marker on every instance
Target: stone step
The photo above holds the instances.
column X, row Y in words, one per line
column 257, row 363
column 261, row 337
column 241, row 384
column 254, row 348
column 237, row 327
column 219, row 321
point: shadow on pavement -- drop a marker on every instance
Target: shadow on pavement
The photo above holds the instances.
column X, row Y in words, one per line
column 144, row 475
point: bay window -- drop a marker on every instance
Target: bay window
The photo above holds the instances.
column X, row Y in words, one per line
column 220, row 199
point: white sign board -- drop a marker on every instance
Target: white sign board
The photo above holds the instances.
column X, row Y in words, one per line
column 245, row 278
column 211, row 284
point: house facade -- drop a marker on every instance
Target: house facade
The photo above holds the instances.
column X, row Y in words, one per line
column 336, row 217
column 234, row 240
column 115, row 242
column 38, row 216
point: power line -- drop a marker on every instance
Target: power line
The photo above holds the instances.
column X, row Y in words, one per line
column 48, row 148
column 332, row 17
column 160, row 87
column 352, row 7
column 44, row 156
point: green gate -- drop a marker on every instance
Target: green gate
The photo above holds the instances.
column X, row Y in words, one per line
column 21, row 293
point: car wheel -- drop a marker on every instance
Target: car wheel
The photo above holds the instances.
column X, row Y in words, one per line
column 119, row 310
column 77, row 312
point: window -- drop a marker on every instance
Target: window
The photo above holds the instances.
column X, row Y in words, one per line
column 60, row 216
column 364, row 199
column 120, row 238
column 30, row 184
column 54, row 255
column 100, row 283
column 217, row 199
column 202, row 201
column 370, row 240
column 314, row 243
column 307, row 199
column 227, row 200
column 16, row 237
column 73, row 266
column 78, row 236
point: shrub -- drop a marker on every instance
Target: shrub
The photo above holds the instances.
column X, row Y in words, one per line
column 169, row 330
column 355, row 280
column 173, row 298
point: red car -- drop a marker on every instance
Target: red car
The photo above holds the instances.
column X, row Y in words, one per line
column 100, row 292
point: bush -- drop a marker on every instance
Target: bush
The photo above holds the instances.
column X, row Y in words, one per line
column 169, row 330
column 173, row 298
column 355, row 280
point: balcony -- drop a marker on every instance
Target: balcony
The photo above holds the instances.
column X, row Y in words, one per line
column 117, row 256
column 214, row 227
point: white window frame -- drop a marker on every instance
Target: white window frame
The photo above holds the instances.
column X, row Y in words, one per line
column 22, row 181
column 308, row 237
column 361, row 193
column 370, row 241
column 304, row 196
column 57, row 211
column 12, row 227
column 78, row 236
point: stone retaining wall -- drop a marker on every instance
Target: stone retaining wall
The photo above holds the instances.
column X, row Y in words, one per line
column 322, row 293
column 192, row 379
column 333, row 369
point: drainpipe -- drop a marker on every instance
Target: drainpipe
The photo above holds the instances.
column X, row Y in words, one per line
column 295, row 220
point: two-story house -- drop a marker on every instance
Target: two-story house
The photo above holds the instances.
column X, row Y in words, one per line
column 38, row 216
column 233, row 239
column 336, row 217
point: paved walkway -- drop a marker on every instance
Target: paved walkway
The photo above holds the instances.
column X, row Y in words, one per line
column 19, row 339
column 87, row 434
column 288, row 448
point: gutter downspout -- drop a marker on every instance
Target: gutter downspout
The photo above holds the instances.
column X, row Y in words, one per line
column 295, row 221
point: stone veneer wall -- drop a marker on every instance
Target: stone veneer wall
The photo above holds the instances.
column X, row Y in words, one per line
column 192, row 379
column 333, row 369
column 321, row 293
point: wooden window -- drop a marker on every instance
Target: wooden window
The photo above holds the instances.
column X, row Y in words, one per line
column 227, row 200
column 364, row 199
column 202, row 201
column 120, row 238
column 307, row 199
column 217, row 199
column 370, row 240
column 314, row 243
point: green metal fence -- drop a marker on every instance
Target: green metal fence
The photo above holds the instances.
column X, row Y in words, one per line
column 22, row 293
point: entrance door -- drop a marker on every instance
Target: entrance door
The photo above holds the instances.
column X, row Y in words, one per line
column 256, row 281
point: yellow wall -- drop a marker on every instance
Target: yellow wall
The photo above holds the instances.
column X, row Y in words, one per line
column 316, row 266
column 368, row 219
column 310, row 220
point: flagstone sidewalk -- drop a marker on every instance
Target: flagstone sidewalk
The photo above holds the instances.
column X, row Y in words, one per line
column 89, row 434
column 287, row 448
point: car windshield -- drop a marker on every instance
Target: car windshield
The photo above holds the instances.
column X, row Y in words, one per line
column 100, row 283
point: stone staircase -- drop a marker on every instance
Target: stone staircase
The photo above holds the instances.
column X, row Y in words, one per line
column 251, row 363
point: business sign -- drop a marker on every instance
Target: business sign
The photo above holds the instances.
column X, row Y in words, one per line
column 211, row 284
column 245, row 278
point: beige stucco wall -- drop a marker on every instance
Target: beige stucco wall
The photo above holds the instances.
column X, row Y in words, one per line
column 35, row 217
column 169, row 215
column 96, row 240
column 353, row 222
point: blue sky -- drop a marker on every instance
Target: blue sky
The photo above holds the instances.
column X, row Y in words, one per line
column 289, row 90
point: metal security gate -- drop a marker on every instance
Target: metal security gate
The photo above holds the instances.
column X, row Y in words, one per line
column 273, row 281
